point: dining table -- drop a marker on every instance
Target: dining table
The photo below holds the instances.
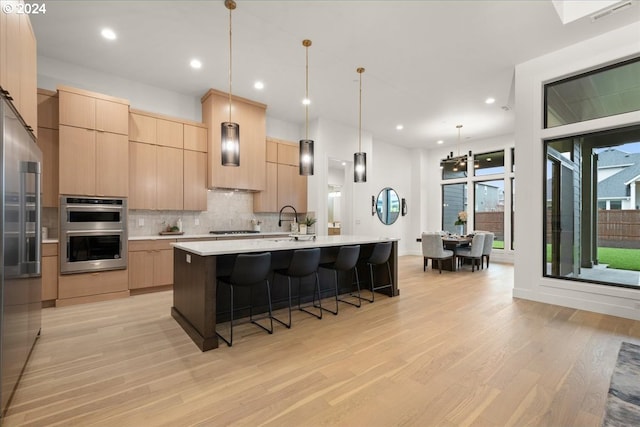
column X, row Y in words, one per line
column 452, row 242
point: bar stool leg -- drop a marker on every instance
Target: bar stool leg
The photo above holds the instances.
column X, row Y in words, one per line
column 255, row 322
column 288, row 325
column 336, row 297
column 316, row 289
column 229, row 342
column 359, row 304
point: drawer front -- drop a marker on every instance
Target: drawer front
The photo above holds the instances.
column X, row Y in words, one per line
column 150, row 245
column 49, row 249
column 86, row 284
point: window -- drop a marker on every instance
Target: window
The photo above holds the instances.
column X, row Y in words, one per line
column 513, row 208
column 453, row 170
column 589, row 222
column 489, row 163
column 454, row 200
column 600, row 93
column 489, row 209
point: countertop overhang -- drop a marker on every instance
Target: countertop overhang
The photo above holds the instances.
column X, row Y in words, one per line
column 208, row 248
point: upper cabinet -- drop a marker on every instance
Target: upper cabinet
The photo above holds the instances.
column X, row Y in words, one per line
column 284, row 184
column 48, row 143
column 18, row 65
column 93, row 138
column 251, row 117
column 167, row 163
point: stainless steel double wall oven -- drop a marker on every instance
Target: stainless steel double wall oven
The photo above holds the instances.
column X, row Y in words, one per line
column 93, row 234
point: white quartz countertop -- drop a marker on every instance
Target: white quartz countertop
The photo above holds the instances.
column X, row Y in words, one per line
column 223, row 247
column 208, row 236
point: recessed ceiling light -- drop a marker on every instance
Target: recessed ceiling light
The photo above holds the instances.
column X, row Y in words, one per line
column 399, row 127
column 306, row 101
column 108, row 34
column 489, row 100
column 195, row 63
column 440, row 142
column 258, row 85
column 344, row 163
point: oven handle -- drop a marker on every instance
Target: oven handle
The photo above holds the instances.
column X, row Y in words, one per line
column 94, row 208
column 95, row 232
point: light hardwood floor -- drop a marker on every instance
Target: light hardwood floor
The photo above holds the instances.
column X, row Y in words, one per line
column 452, row 350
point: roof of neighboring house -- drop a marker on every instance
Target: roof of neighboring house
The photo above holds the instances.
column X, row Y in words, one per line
column 614, row 186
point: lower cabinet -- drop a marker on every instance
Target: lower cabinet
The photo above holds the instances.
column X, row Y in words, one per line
column 150, row 263
column 49, row 271
column 89, row 287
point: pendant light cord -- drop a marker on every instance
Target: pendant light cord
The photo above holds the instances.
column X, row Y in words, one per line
column 230, row 59
column 306, row 44
column 360, row 71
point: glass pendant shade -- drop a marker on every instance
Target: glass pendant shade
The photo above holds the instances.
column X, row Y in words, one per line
column 360, row 167
column 306, row 157
column 230, row 144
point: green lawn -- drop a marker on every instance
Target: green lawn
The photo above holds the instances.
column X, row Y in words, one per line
column 498, row 244
column 622, row 259
column 618, row 258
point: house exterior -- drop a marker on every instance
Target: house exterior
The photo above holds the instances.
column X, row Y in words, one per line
column 618, row 180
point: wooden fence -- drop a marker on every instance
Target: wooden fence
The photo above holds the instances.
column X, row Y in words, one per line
column 490, row 221
column 619, row 228
column 616, row 228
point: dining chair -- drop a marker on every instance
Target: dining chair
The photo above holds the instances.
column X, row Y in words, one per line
column 487, row 247
column 473, row 253
column 433, row 249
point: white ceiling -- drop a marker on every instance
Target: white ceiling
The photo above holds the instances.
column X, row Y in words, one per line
column 429, row 64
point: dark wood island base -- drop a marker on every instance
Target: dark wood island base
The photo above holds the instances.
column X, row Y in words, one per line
column 197, row 264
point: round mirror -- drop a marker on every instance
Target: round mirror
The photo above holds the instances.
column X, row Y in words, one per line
column 388, row 206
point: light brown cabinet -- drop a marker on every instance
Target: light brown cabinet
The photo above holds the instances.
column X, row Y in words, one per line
column 150, row 263
column 157, row 177
column 169, row 178
column 90, row 287
column 18, row 70
column 195, row 138
column 49, row 145
column 163, row 175
column 292, row 188
column 93, row 138
column 49, row 271
column 284, row 184
column 195, row 174
column 142, row 176
column 251, row 117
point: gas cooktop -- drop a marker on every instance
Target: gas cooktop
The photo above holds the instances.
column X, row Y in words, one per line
column 233, row 231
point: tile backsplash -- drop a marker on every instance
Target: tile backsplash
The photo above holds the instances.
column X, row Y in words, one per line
column 226, row 210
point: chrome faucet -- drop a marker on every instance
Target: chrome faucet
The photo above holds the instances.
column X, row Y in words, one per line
column 280, row 214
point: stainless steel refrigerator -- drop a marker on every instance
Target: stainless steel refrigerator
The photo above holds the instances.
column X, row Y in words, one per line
column 21, row 276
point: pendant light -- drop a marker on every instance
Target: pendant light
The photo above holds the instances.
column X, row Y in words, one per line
column 230, row 132
column 459, row 161
column 306, row 145
column 360, row 158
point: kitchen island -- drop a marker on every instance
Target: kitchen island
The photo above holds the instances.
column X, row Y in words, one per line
column 198, row 264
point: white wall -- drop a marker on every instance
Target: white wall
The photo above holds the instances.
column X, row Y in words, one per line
column 52, row 72
column 530, row 76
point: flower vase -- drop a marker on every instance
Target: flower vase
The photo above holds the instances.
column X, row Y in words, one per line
column 461, row 230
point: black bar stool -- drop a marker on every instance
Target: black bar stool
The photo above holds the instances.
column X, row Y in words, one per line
column 249, row 270
column 380, row 255
column 346, row 261
column 304, row 263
